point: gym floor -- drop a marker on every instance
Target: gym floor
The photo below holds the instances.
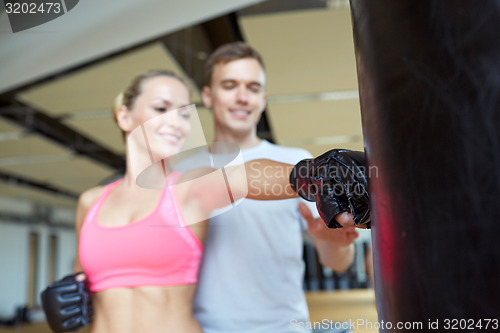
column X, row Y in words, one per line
column 341, row 306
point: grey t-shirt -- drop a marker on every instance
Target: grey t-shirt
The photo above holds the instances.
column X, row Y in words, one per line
column 251, row 277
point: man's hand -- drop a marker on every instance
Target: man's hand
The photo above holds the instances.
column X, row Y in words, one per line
column 317, row 228
column 335, row 246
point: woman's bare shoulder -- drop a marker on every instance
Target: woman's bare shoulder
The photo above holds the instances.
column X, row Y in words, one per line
column 86, row 200
column 88, row 197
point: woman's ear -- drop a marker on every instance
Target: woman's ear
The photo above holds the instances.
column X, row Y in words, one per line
column 206, row 95
column 123, row 119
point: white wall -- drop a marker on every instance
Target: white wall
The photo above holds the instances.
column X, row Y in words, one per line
column 13, row 267
column 66, row 254
column 14, row 259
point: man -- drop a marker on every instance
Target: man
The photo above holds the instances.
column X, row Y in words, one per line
column 252, row 272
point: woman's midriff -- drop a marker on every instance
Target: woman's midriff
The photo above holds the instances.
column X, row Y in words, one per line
column 145, row 309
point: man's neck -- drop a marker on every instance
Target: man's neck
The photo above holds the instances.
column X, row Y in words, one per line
column 243, row 140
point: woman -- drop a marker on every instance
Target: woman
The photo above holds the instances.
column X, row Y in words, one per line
column 140, row 255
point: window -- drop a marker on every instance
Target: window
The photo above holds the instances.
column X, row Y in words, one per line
column 33, row 269
column 52, row 258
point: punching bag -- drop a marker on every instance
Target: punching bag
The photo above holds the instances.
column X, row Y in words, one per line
column 429, row 84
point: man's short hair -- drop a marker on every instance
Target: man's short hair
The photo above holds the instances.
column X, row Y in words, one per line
column 229, row 52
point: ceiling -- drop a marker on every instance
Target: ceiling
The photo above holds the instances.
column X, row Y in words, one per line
column 57, row 137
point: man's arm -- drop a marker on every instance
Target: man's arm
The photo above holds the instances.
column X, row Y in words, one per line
column 335, row 246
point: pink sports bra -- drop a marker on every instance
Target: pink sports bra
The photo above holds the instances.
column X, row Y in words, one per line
column 157, row 250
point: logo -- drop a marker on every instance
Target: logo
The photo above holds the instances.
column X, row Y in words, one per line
column 25, row 15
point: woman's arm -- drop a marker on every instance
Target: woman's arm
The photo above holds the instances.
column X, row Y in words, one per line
column 208, row 189
column 268, row 180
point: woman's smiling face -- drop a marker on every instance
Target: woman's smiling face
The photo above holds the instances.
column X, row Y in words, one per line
column 159, row 110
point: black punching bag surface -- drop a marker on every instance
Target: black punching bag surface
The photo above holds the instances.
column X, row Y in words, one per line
column 429, row 82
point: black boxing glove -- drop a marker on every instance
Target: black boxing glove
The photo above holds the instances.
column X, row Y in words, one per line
column 67, row 304
column 337, row 182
